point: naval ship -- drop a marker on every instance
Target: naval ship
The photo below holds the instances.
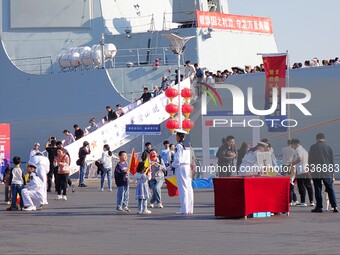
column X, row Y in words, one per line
column 62, row 62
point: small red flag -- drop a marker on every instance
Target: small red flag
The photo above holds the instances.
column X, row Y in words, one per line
column 133, row 162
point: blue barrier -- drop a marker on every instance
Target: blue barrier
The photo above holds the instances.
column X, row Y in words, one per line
column 200, row 183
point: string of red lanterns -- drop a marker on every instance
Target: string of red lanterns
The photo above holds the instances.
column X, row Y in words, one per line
column 172, row 109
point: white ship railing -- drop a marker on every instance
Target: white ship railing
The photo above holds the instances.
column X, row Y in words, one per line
column 144, row 57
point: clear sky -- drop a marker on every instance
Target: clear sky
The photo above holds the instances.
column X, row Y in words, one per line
column 306, row 28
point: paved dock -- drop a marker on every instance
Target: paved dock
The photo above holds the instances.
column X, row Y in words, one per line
column 88, row 224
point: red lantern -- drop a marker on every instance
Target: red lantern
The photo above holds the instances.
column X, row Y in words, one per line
column 171, row 109
column 172, row 124
column 187, row 109
column 156, row 63
column 187, row 125
column 171, row 93
column 186, row 93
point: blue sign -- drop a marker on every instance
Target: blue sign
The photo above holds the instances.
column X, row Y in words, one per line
column 143, row 129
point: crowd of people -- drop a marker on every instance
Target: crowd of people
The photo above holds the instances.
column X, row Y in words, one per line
column 304, row 168
column 41, row 170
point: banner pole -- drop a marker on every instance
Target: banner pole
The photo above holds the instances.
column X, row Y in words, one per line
column 287, row 85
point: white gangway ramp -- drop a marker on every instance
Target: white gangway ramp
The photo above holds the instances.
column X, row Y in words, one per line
column 113, row 133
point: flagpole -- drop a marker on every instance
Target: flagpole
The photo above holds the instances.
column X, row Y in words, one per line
column 287, row 85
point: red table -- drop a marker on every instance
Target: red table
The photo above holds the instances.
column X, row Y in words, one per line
column 242, row 196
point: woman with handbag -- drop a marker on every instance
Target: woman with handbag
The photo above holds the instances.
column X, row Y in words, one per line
column 106, row 161
column 62, row 161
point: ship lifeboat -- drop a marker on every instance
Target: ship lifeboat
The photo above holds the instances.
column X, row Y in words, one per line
column 86, row 58
column 110, row 50
column 64, row 61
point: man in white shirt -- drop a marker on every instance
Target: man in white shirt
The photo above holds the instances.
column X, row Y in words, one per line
column 300, row 162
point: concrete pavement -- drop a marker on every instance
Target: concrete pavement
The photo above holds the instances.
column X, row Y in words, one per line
column 87, row 224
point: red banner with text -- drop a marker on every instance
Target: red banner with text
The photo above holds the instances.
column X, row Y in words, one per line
column 218, row 20
column 5, row 146
column 275, row 68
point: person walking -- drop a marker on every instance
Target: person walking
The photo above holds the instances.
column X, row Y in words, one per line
column 183, row 174
column 62, row 161
column 321, row 154
column 300, row 161
column 106, row 160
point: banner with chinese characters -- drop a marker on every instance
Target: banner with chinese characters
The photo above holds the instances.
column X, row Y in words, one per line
column 216, row 20
column 275, row 68
column 5, row 147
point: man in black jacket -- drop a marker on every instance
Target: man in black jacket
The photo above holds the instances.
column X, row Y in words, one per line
column 78, row 132
column 111, row 114
column 83, row 151
column 321, row 165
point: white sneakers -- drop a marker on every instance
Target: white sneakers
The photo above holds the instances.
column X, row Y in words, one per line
column 60, row 197
column 126, row 209
column 30, row 208
column 160, row 205
column 144, row 212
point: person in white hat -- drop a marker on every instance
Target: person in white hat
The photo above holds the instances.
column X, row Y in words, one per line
column 35, row 149
column 249, row 162
column 43, row 166
column 183, row 174
column 32, row 196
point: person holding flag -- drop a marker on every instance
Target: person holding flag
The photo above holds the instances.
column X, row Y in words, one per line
column 183, row 174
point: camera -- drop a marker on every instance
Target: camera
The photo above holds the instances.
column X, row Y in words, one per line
column 52, row 138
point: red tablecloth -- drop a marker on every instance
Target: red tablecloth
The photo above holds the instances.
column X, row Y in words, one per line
column 242, row 196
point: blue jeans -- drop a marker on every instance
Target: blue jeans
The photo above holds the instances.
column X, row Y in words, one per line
column 292, row 194
column 142, row 205
column 156, row 186
column 108, row 172
column 122, row 196
column 328, row 182
column 16, row 189
column 82, row 174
